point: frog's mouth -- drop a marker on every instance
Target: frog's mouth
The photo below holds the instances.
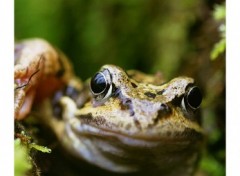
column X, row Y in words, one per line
column 101, row 129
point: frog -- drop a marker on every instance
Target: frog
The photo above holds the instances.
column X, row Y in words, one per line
column 133, row 123
column 121, row 122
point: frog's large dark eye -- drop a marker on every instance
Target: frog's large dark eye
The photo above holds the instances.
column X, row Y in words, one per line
column 192, row 98
column 98, row 83
column 101, row 85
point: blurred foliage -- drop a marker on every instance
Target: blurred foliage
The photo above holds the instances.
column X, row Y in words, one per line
column 211, row 167
column 219, row 15
column 219, row 12
column 145, row 35
column 177, row 38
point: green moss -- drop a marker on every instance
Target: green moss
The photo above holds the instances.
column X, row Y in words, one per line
column 40, row 148
column 22, row 162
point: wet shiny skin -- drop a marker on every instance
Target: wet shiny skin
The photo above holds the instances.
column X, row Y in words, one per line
column 121, row 122
column 136, row 127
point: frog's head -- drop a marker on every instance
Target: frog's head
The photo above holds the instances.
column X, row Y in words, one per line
column 128, row 117
column 142, row 109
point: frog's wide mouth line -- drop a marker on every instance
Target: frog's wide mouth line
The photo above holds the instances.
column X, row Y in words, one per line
column 187, row 136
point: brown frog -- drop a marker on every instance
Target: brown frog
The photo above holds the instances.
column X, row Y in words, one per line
column 122, row 122
column 133, row 123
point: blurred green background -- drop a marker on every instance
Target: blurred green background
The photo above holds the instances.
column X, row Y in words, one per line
column 146, row 35
column 175, row 37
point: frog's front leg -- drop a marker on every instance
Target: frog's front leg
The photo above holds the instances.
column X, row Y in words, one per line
column 28, row 69
column 22, row 103
column 39, row 71
column 26, row 79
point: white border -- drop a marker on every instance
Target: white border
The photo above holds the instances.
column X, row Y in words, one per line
column 232, row 78
column 233, row 88
column 6, row 87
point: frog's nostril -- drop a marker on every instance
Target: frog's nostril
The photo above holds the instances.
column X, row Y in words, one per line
column 127, row 104
column 164, row 107
column 164, row 111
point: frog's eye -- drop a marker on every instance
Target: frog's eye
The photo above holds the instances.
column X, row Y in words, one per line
column 101, row 85
column 192, row 99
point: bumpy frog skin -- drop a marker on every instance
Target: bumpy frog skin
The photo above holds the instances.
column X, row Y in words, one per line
column 121, row 122
column 134, row 127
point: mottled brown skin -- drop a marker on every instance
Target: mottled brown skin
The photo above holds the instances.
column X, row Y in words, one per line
column 140, row 128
